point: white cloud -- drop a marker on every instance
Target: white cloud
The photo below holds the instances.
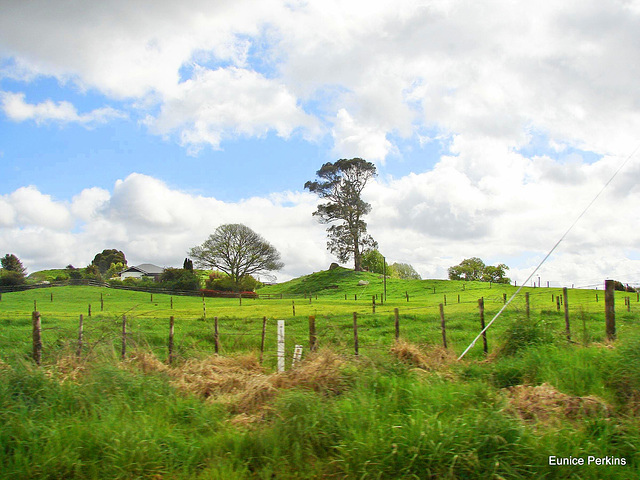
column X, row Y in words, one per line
column 489, row 77
column 18, row 110
column 152, row 222
column 225, row 103
column 431, row 220
column 474, row 70
column 358, row 140
column 28, row 207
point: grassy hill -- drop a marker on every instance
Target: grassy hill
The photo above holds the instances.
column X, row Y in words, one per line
column 341, row 281
column 50, row 275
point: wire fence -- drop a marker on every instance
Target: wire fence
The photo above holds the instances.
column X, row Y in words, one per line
column 172, row 337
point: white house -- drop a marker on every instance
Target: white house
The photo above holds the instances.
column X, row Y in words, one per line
column 145, row 270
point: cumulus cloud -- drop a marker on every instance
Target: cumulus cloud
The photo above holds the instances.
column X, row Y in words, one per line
column 490, row 78
column 226, row 103
column 364, row 71
column 419, row 219
column 152, row 222
column 18, row 110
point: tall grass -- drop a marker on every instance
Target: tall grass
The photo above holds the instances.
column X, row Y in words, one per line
column 379, row 418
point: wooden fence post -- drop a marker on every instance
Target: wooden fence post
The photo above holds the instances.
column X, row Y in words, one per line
column 442, row 326
column 312, row 333
column 151, row 298
column 89, row 310
column 280, row 345
column 51, row 296
column 171, row 321
column 485, row 346
column 80, row 326
column 445, row 299
column 124, row 337
column 609, row 308
column 504, row 298
column 264, row 334
column 293, row 306
column 204, row 309
column 101, row 303
column 373, row 303
column 558, row 303
column 355, row 332
column 171, row 303
column 396, row 313
column 628, row 304
column 528, row 305
column 216, row 336
column 566, row 313
column 407, row 295
column 37, row 337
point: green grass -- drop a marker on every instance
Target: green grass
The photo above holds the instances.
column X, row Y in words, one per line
column 240, row 326
column 389, row 419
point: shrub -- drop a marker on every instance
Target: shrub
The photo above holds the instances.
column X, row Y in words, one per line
column 179, row 279
column 225, row 284
column 523, row 334
column 11, row 278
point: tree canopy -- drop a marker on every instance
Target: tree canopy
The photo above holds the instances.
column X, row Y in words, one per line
column 373, row 261
column 341, row 184
column 474, row 269
column 405, row 271
column 108, row 256
column 238, row 251
column 11, row 263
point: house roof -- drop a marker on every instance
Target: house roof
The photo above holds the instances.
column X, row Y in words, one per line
column 146, row 268
column 150, row 268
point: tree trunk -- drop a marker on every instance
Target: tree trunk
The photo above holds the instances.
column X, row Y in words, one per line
column 357, row 256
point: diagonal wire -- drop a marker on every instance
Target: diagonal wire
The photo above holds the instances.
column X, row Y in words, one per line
column 552, row 250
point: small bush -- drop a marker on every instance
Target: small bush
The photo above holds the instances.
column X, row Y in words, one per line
column 523, row 334
column 10, row 278
column 247, row 284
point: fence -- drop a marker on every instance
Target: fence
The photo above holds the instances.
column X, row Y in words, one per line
column 128, row 330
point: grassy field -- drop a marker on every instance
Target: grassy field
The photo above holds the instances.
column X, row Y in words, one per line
column 331, row 296
column 398, row 410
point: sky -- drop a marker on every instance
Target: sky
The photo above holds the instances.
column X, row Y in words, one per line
column 143, row 126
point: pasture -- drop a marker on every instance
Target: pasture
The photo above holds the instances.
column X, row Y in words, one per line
column 331, row 297
column 399, row 409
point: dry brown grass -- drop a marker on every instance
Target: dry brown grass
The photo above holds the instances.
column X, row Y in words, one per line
column 545, row 405
column 431, row 358
column 242, row 384
column 4, row 366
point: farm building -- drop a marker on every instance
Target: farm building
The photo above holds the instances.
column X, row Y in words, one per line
column 145, row 270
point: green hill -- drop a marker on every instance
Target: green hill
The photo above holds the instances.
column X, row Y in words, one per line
column 343, row 281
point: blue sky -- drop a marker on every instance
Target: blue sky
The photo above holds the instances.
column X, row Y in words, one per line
column 143, row 128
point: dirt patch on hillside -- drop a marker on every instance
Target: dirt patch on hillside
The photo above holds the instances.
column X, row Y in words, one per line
column 545, row 404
